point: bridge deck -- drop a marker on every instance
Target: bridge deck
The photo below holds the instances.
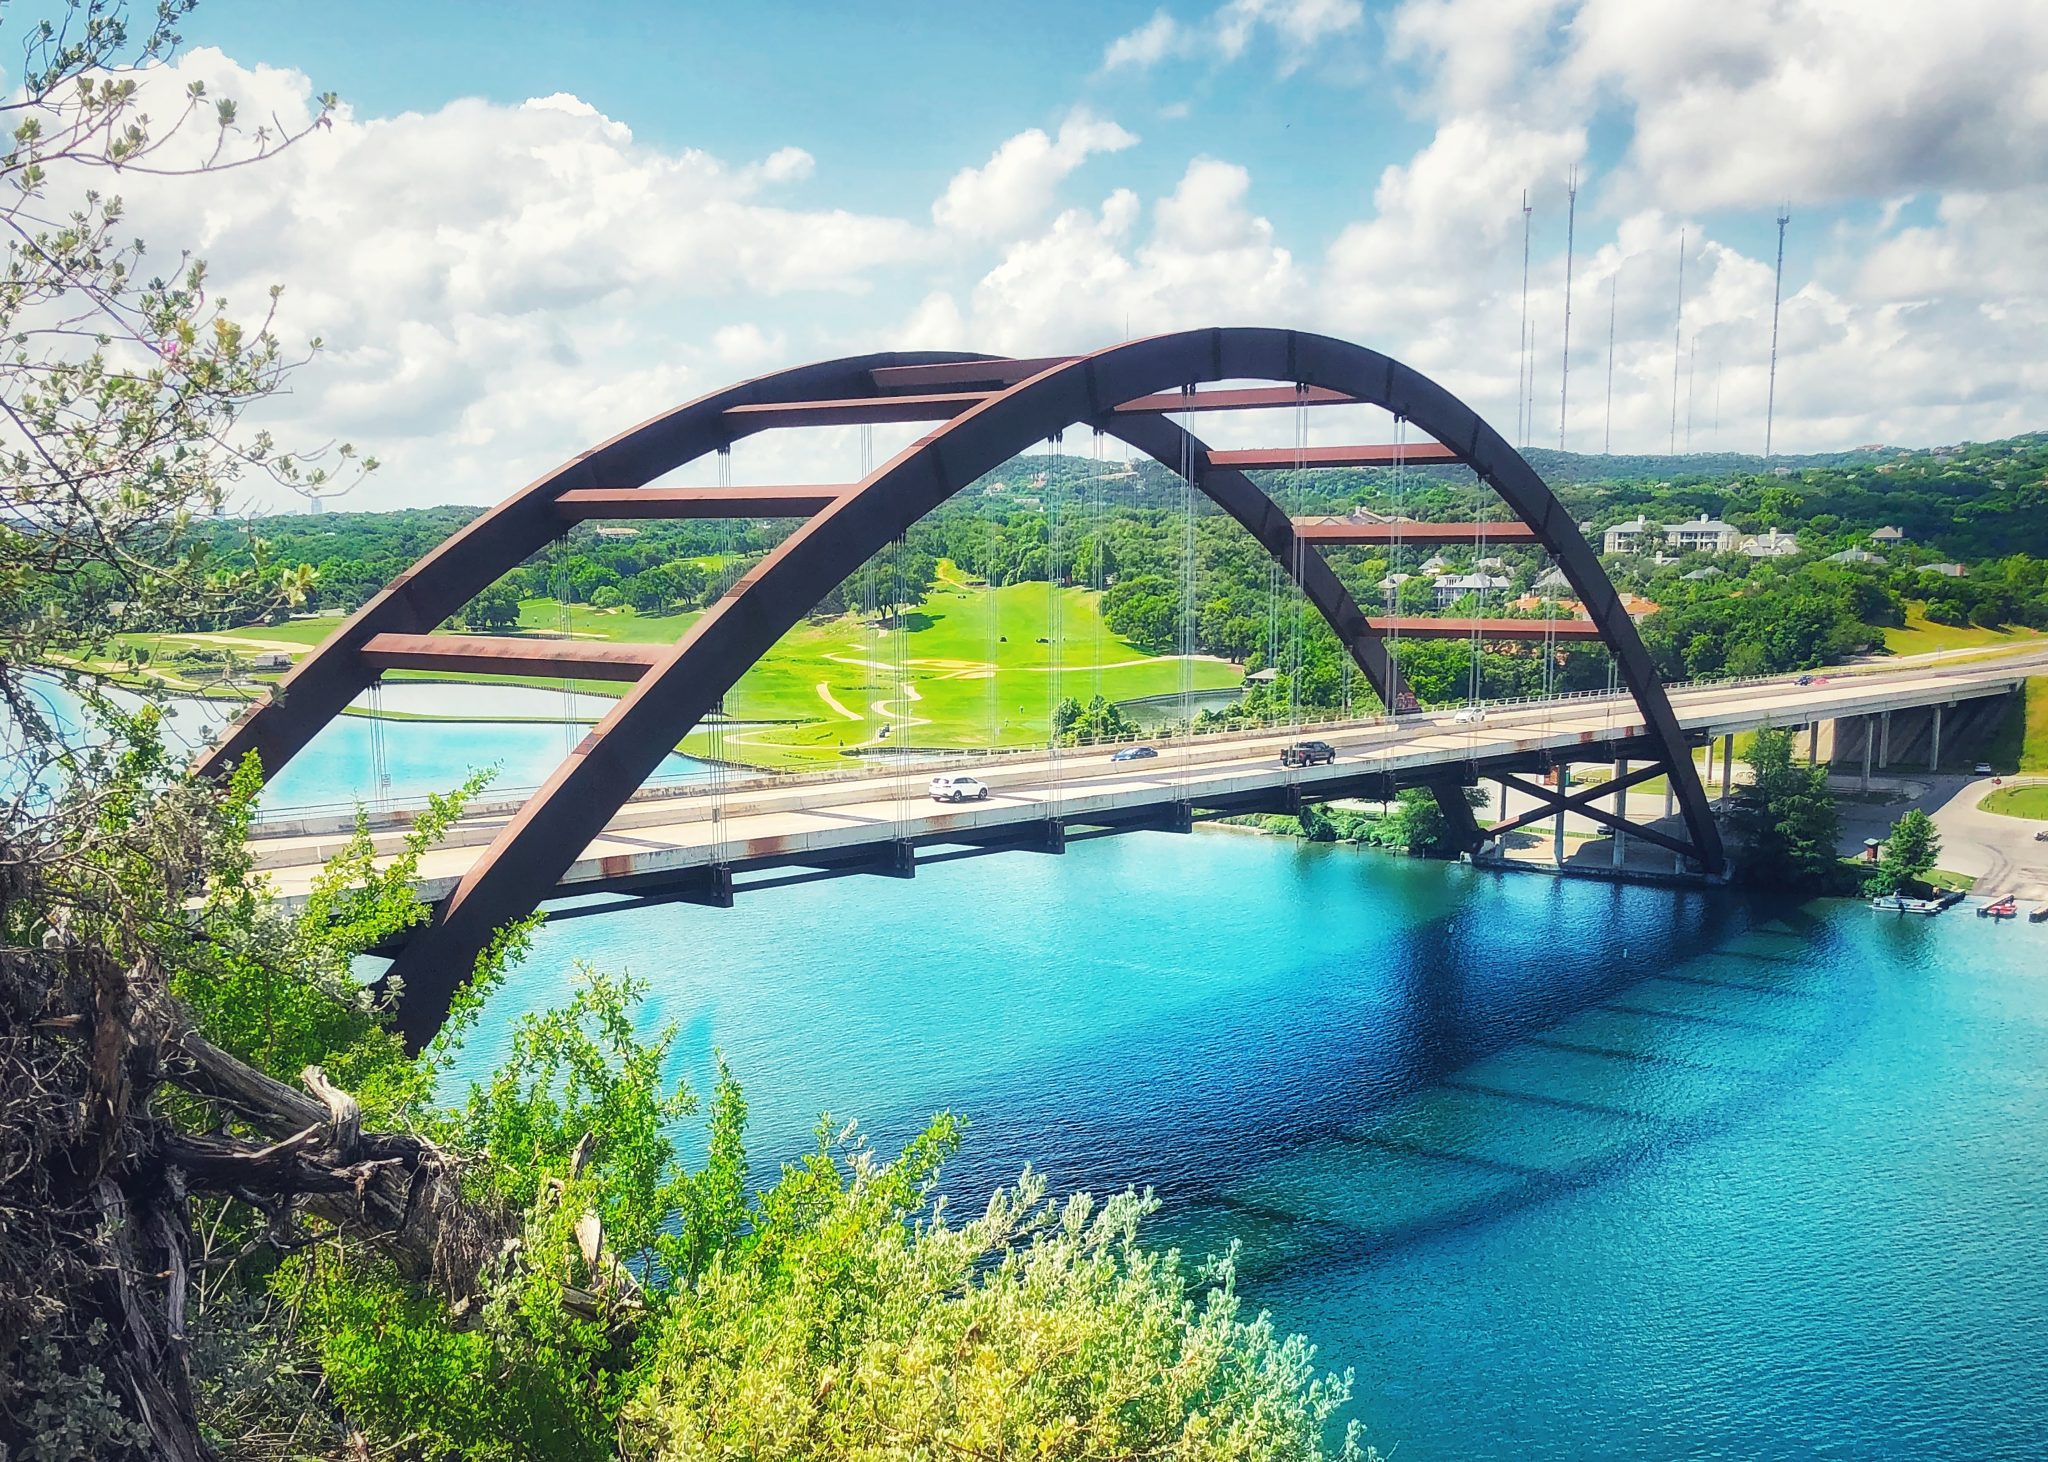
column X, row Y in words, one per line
column 770, row 823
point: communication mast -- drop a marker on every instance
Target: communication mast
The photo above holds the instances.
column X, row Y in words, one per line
column 1564, row 384
column 1677, row 348
column 1777, row 293
column 1613, row 291
column 1522, row 356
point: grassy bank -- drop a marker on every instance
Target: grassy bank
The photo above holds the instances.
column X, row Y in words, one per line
column 977, row 669
column 1921, row 636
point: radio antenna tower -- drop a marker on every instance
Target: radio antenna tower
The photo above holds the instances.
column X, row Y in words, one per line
column 1564, row 384
column 1522, row 358
column 1692, row 364
column 1613, row 290
column 1677, row 348
column 1777, row 293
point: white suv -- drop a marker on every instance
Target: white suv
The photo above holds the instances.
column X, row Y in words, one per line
column 959, row 789
column 1470, row 716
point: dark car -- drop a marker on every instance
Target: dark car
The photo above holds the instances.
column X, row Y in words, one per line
column 1307, row 754
column 1133, row 753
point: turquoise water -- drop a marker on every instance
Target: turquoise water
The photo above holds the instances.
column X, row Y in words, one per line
column 1564, row 1170
column 339, row 765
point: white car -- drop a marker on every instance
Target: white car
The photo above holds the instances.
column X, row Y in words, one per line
column 1470, row 716
column 959, row 789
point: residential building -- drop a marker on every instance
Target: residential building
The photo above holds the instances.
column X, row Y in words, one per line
column 1703, row 535
column 1946, row 570
column 1853, row 555
column 1771, row 544
column 1453, row 587
column 1888, row 535
column 1551, row 579
column 1711, row 571
column 1626, row 537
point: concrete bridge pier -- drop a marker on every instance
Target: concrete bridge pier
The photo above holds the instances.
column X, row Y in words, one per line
column 1619, row 842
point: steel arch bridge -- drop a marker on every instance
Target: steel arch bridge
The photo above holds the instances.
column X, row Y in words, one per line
column 987, row 410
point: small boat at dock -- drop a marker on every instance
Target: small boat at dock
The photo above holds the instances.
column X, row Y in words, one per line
column 2038, row 914
column 1899, row 904
column 2005, row 908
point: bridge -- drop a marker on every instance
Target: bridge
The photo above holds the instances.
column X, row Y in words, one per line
column 590, row 830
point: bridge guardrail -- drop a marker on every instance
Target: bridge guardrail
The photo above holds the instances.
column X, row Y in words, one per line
column 339, row 816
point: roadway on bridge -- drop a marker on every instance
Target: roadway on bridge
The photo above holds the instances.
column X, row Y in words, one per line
column 764, row 819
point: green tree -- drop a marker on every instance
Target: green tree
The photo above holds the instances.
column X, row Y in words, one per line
column 1785, row 819
column 496, row 608
column 1909, row 854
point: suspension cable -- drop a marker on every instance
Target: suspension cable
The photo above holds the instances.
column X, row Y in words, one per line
column 1054, row 617
column 1297, row 553
column 1188, row 544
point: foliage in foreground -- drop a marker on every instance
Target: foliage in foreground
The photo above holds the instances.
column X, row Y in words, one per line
column 531, row 1272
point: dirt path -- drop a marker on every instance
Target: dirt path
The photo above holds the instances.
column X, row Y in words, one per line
column 825, row 695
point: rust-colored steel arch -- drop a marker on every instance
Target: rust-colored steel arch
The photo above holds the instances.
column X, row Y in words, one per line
column 1021, row 403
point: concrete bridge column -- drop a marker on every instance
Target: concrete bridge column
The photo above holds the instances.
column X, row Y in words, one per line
column 1677, row 860
column 1813, row 744
column 1727, row 766
column 1934, row 752
column 1564, row 785
column 1884, row 739
column 1864, row 784
column 1620, row 844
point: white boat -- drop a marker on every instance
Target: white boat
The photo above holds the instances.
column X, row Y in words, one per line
column 1899, row 904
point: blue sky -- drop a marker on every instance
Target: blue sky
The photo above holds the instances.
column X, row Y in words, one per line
column 535, row 223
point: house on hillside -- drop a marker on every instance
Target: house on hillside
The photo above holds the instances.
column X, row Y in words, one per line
column 1551, row 580
column 1703, row 535
column 1453, row 587
column 1853, row 555
column 1626, row 537
column 1888, row 535
column 1946, row 570
column 1701, row 575
column 1771, row 544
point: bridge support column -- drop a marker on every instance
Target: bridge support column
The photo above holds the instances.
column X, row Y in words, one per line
column 1564, row 785
column 1934, row 752
column 1727, row 767
column 1884, row 739
column 1677, row 859
column 1620, row 843
column 1813, row 744
column 1863, row 784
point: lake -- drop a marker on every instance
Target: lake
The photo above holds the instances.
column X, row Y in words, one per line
column 1562, row 1169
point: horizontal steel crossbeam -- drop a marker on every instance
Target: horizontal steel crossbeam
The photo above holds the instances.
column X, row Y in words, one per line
column 767, row 415
column 1419, row 627
column 1414, row 454
column 581, row 504
column 1362, row 530
column 504, row 655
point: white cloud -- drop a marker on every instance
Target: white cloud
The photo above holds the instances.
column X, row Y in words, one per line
column 1148, row 45
column 1014, row 189
column 499, row 286
column 502, row 285
column 1299, row 26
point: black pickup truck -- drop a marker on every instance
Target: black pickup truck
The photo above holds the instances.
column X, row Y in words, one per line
column 1307, row 754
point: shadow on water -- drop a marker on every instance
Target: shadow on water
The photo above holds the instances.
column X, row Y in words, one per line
column 1461, row 1077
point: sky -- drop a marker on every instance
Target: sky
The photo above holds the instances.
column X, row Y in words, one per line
column 530, row 226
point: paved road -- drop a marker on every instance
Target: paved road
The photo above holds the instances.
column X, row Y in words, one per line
column 786, row 818
column 1999, row 851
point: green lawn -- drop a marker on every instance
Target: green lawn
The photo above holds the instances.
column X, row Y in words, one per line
column 2029, row 802
column 2021, row 744
column 1920, row 636
column 978, row 662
